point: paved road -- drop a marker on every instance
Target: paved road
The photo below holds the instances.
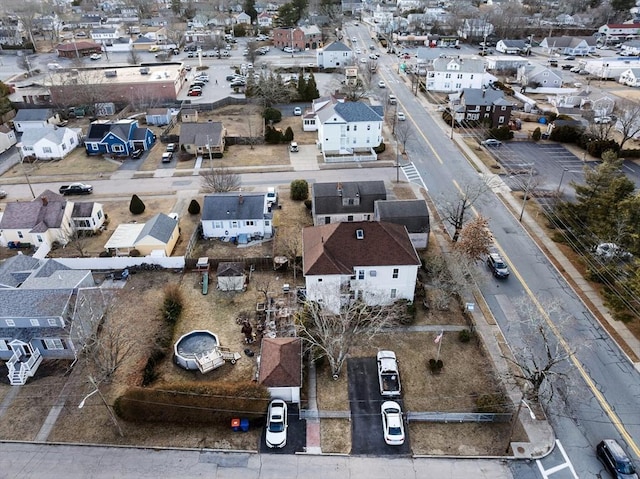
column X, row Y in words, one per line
column 601, row 379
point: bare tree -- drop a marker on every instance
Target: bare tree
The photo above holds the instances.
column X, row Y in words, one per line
column 600, row 131
column 220, row 180
column 541, row 354
column 447, row 277
column 77, row 239
column 272, row 90
column 108, row 349
column 475, row 239
column 290, row 245
column 134, row 58
column 355, row 91
column 404, row 133
column 628, row 122
column 455, row 209
column 334, row 335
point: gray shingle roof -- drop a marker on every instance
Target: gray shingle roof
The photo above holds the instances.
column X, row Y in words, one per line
column 481, row 96
column 35, row 215
column 35, row 303
column 328, row 199
column 52, row 133
column 230, row 269
column 200, row 134
column 414, row 214
column 514, row 43
column 35, row 114
column 160, row 227
column 468, row 65
column 14, row 270
column 352, row 111
column 337, row 47
column 230, row 206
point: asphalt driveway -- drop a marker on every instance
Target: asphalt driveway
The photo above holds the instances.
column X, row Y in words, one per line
column 296, row 434
column 366, row 422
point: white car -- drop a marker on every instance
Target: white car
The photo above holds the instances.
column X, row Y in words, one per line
column 381, row 84
column 287, row 50
column 276, row 435
column 401, row 116
column 354, row 39
column 363, row 60
column 602, row 120
column 392, row 423
column 297, row 111
column 491, row 142
column 96, row 56
column 358, row 51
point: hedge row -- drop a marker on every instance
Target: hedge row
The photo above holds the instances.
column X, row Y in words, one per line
column 194, row 403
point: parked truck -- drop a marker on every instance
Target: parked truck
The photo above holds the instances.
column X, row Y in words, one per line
column 76, row 189
column 388, row 374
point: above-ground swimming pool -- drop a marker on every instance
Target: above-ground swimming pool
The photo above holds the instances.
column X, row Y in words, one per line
column 196, row 342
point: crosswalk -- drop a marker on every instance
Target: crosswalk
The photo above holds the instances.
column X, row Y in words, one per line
column 411, row 173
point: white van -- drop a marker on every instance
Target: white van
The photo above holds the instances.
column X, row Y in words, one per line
column 54, row 66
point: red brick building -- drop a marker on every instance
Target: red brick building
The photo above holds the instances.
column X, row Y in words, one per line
column 83, row 48
column 299, row 38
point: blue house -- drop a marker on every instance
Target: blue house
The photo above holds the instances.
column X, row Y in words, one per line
column 119, row 138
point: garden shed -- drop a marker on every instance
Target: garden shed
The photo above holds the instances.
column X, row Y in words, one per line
column 231, row 276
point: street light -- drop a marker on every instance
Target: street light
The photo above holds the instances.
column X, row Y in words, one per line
column 564, row 170
column 104, row 401
column 531, row 413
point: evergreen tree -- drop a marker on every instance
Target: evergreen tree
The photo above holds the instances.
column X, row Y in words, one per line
column 194, row 207
column 302, row 88
column 250, row 9
column 311, row 92
column 136, row 207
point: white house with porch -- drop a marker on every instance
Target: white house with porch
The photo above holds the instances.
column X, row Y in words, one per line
column 371, row 261
column 241, row 217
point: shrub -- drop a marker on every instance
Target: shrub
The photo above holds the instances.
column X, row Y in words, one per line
column 272, row 115
column 149, row 374
column 273, row 136
column 380, row 148
column 537, row 134
column 173, row 303
column 464, row 336
column 134, row 253
column 194, row 207
column 299, row 190
column 495, row 402
column 104, row 254
column 288, row 134
column 308, row 204
column 136, row 207
column 501, row 133
column 435, row 365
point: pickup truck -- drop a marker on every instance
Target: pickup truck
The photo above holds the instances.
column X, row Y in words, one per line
column 76, row 189
column 388, row 373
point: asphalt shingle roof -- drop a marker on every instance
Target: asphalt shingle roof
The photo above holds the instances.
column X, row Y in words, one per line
column 281, row 362
column 328, row 197
column 160, row 227
column 34, row 114
column 36, row 303
column 337, row 47
column 37, row 215
column 413, row 214
column 234, row 206
column 200, row 134
column 352, row 111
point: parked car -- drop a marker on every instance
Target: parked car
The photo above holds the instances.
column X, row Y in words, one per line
column 287, row 50
column 354, row 39
column 381, row 84
column 171, row 147
column 363, row 60
column 297, row 111
column 567, row 66
column 3, row 194
column 96, row 56
column 202, row 78
column 602, row 120
column 392, row 423
column 401, row 116
column 276, row 435
column 76, row 189
column 613, row 457
column 135, row 154
column 293, row 147
column 497, row 266
column 491, row 142
column 167, row 157
column 194, row 93
column 569, row 58
column 237, row 83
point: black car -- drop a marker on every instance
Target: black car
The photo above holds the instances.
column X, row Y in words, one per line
column 615, row 460
column 135, row 154
column 497, row 266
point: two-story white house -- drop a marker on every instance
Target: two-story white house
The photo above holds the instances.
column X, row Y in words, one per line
column 370, row 261
column 107, row 35
column 265, row 20
column 630, row 77
column 348, row 130
column 345, row 201
column 537, row 76
column 334, row 55
column 565, row 45
column 453, row 74
column 240, row 216
column 619, row 31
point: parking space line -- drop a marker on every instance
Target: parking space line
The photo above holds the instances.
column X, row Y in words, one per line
column 560, row 467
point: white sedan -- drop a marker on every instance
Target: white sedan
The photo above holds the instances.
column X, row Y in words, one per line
column 276, row 435
column 401, row 116
column 363, row 60
column 358, row 51
column 392, row 423
column 382, row 84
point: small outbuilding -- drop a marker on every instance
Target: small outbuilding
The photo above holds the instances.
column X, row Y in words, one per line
column 231, row 277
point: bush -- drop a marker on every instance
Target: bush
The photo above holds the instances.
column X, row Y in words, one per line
column 136, row 207
column 273, row 136
column 308, row 204
column 299, row 190
column 435, row 365
column 173, row 303
column 537, row 134
column 380, row 148
column 104, row 254
column 464, row 336
column 272, row 115
column 502, row 133
column 149, row 374
column 288, row 135
column 134, row 253
column 194, row 207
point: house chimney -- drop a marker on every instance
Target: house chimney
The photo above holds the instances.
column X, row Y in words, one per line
column 484, row 91
column 240, row 199
column 45, row 201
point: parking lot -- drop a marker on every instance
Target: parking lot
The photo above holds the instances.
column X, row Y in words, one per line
column 366, row 421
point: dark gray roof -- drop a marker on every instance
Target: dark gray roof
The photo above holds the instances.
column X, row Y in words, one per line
column 230, row 269
column 414, row 214
column 337, row 47
column 356, row 111
column 82, row 209
column 234, row 206
column 14, row 270
column 328, row 197
column 35, row 114
column 481, row 96
column 160, row 227
column 35, row 215
column 200, row 134
column 33, row 303
column 97, row 131
column 514, row 43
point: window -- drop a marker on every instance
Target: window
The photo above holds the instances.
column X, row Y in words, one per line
column 217, row 224
column 234, row 224
column 395, row 273
column 99, row 215
column 53, row 344
column 34, row 322
column 94, row 146
column 373, row 273
column 267, row 222
column 368, row 127
column 394, row 292
column 250, row 223
column 327, row 220
column 117, row 148
column 361, row 274
column 3, row 345
column 355, row 127
column 52, row 322
column 348, row 128
column 319, row 280
column 10, row 322
column 27, row 148
column 350, row 218
column 39, row 238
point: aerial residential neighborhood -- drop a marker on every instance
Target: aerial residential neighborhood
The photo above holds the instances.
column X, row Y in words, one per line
column 358, row 230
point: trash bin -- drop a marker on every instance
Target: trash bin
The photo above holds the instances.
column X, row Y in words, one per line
column 244, row 424
column 235, row 424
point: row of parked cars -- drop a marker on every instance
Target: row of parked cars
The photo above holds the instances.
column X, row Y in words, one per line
column 197, row 85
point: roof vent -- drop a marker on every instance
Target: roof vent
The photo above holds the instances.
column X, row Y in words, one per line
column 111, row 73
column 144, row 71
column 360, row 234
